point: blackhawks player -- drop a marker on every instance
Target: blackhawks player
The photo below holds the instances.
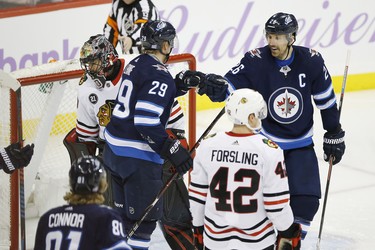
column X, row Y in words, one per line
column 97, row 93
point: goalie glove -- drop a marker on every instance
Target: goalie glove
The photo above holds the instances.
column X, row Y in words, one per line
column 179, row 157
column 187, row 79
column 215, row 87
column 334, row 144
column 198, row 237
column 289, row 239
column 126, row 43
column 14, row 157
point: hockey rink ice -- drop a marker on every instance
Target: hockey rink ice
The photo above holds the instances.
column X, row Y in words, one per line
column 349, row 216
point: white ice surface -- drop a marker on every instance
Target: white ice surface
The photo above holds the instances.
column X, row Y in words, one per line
column 350, row 211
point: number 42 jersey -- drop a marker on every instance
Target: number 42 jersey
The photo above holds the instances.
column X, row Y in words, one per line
column 239, row 191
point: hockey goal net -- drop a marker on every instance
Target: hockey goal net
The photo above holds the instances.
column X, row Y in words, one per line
column 48, row 103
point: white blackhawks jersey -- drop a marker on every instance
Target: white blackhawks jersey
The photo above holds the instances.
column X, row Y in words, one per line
column 95, row 106
column 239, row 191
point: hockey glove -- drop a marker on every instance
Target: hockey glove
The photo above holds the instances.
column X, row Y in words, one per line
column 179, row 157
column 187, row 79
column 14, row 157
column 334, row 144
column 198, row 237
column 215, row 87
column 289, row 239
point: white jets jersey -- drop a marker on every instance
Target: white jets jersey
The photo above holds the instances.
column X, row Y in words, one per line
column 239, row 191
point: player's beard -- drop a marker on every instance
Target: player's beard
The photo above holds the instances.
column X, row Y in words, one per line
column 280, row 54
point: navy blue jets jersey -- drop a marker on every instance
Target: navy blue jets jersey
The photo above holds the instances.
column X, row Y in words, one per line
column 80, row 227
column 143, row 107
column 288, row 87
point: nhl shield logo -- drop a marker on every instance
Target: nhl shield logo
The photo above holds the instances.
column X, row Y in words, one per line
column 285, row 105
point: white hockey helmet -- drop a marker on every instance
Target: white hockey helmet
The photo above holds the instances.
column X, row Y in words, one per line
column 243, row 102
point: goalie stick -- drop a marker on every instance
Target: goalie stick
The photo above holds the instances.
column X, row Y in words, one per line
column 172, row 178
column 330, row 157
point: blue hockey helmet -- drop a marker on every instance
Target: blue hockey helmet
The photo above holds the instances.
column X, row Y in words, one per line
column 282, row 23
column 86, row 174
column 155, row 32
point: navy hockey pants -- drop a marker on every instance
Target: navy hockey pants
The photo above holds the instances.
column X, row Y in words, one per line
column 304, row 181
column 135, row 184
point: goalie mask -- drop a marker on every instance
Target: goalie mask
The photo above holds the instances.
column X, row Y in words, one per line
column 86, row 175
column 97, row 56
column 243, row 102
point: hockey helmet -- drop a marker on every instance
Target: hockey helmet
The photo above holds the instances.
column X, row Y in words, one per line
column 243, row 102
column 155, row 32
column 97, row 55
column 86, row 174
column 282, row 23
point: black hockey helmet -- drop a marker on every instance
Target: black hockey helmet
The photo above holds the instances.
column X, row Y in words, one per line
column 85, row 175
column 97, row 56
column 155, row 32
column 282, row 23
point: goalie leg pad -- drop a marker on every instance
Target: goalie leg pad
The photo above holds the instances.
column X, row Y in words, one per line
column 77, row 149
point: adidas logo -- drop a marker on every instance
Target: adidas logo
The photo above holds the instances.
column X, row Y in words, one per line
column 235, row 143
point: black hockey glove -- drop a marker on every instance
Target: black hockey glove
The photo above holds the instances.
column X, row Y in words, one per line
column 215, row 87
column 198, row 237
column 179, row 157
column 334, row 144
column 187, row 79
column 289, row 239
column 14, row 157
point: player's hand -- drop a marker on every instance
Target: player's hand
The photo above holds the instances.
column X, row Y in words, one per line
column 215, row 87
column 198, row 237
column 334, row 144
column 289, row 239
column 179, row 157
column 188, row 79
column 14, row 157
column 126, row 43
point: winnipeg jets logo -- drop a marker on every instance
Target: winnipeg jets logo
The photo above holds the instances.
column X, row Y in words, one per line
column 285, row 69
column 255, row 52
column 314, row 52
column 285, row 105
column 288, row 19
column 160, row 67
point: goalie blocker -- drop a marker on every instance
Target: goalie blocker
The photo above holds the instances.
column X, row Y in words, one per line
column 176, row 220
column 78, row 149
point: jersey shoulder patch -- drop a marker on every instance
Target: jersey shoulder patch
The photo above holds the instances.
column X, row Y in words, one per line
column 83, row 79
column 270, row 143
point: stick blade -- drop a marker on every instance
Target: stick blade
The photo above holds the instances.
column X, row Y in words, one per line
column 7, row 80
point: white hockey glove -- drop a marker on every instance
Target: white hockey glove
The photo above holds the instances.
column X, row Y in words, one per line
column 126, row 43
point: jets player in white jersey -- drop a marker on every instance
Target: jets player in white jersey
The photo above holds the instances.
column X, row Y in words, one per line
column 83, row 223
column 239, row 193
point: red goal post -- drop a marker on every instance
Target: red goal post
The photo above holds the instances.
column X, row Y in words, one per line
column 48, row 104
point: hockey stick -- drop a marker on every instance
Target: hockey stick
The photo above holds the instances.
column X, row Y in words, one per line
column 331, row 157
column 172, row 178
column 21, row 173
